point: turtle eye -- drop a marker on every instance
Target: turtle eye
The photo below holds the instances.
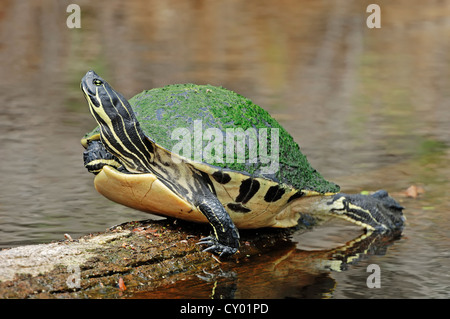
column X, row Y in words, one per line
column 97, row 82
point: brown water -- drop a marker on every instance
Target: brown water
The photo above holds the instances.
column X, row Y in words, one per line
column 370, row 108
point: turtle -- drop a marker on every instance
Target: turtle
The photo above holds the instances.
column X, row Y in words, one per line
column 163, row 152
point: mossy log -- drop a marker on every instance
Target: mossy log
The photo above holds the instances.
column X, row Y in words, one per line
column 129, row 258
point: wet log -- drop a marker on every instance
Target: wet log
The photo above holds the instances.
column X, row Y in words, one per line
column 129, row 258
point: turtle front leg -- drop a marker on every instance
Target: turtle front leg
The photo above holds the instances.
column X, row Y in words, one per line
column 96, row 156
column 225, row 241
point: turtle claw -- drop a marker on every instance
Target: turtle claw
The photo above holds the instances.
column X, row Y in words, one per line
column 206, row 240
column 210, row 241
column 216, row 247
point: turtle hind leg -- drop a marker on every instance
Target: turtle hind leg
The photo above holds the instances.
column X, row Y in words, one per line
column 378, row 212
column 225, row 241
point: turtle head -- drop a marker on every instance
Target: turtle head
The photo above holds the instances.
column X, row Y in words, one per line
column 120, row 131
column 105, row 104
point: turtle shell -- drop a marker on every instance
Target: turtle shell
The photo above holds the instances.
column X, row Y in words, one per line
column 193, row 109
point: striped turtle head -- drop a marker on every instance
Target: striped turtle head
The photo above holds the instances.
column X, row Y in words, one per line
column 106, row 105
column 120, row 131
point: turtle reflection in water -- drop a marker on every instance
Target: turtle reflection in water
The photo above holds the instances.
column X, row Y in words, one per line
column 132, row 154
